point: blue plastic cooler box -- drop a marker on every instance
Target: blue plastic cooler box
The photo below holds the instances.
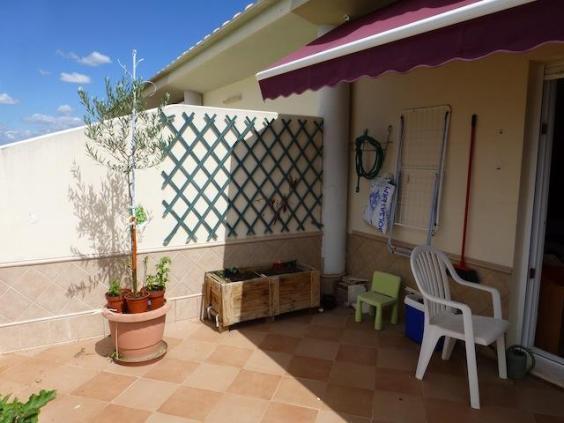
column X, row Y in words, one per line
column 415, row 319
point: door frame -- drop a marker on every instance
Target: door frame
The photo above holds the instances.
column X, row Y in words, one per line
column 549, row 366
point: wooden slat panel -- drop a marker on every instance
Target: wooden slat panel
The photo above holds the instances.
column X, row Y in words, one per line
column 246, row 300
column 294, row 292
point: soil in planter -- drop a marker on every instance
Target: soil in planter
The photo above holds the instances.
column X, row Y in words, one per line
column 233, row 274
column 137, row 303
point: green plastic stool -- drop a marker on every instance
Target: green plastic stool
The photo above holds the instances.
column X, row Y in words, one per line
column 384, row 292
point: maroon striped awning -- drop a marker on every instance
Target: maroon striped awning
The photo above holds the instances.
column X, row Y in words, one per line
column 414, row 33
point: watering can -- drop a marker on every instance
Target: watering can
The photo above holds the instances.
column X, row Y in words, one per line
column 520, row 361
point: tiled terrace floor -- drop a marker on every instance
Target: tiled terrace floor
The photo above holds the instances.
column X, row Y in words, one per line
column 302, row 368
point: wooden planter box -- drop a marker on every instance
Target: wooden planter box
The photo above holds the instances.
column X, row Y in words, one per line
column 260, row 296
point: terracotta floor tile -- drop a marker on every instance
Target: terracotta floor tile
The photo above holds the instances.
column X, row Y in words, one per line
column 168, row 418
column 499, row 395
column 289, row 328
column 448, row 411
column 60, row 354
column 104, row 386
column 398, row 407
column 9, row 386
column 268, row 362
column 276, row 368
column 230, row 356
column 544, row 418
column 332, row 416
column 192, row 350
column 317, row 348
column 360, row 337
column 329, row 319
column 444, row 387
column 325, row 333
column 259, row 325
column 542, row 401
column 249, row 340
column 397, row 358
column 355, row 401
column 302, row 392
column 285, row 413
column 206, row 333
column 66, row 379
column 279, row 343
column 117, row 413
column 503, row 415
column 310, row 368
column 212, row 377
column 400, row 381
column 146, row 394
column 237, row 409
column 390, row 339
column 28, row 371
column 171, row 370
column 191, row 403
column 357, row 354
column 10, row 360
column 254, row 384
column 92, row 355
column 350, row 374
column 68, row 408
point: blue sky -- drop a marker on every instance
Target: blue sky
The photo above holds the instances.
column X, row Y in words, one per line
column 50, row 48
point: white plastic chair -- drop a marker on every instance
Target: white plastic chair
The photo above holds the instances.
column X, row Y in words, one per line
column 429, row 266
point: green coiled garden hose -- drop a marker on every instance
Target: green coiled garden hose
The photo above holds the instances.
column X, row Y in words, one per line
column 360, row 148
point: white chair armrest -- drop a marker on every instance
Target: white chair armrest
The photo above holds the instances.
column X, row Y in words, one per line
column 496, row 299
column 464, row 308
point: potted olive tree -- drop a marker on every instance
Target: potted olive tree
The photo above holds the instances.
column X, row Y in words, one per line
column 125, row 136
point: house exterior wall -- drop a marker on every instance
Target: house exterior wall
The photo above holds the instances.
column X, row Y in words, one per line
column 245, row 94
column 496, row 89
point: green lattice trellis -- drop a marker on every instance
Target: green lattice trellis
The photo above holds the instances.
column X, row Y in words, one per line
column 237, row 172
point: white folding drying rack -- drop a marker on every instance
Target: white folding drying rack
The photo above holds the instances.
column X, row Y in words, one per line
column 420, row 161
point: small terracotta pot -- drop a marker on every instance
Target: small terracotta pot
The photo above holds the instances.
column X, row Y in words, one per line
column 137, row 303
column 124, row 292
column 157, row 298
column 115, row 303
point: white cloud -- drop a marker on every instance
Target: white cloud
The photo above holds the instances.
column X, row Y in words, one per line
column 75, row 78
column 65, row 109
column 6, row 99
column 44, row 72
column 40, row 124
column 54, row 123
column 8, row 135
column 93, row 59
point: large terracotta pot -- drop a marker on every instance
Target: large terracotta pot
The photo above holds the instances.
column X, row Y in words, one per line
column 138, row 337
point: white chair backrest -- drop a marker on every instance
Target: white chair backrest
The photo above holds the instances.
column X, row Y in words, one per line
column 429, row 269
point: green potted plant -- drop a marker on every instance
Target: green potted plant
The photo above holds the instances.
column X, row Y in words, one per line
column 156, row 284
column 124, row 136
column 15, row 411
column 114, row 297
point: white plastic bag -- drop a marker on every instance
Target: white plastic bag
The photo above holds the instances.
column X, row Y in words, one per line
column 379, row 207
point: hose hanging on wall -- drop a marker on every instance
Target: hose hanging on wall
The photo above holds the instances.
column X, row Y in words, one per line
column 360, row 148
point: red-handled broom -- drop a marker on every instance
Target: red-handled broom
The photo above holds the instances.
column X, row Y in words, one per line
column 461, row 268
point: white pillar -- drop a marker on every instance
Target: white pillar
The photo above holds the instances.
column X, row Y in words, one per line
column 193, row 98
column 334, row 109
column 334, row 103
